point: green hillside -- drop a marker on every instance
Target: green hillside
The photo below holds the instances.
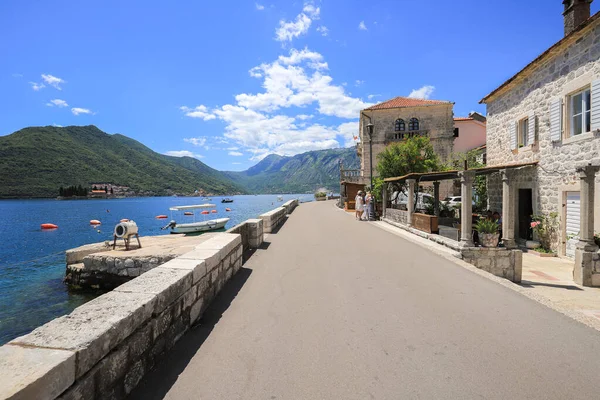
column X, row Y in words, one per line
column 301, row 173
column 36, row 161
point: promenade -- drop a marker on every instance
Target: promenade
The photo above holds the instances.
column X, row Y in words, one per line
column 341, row 309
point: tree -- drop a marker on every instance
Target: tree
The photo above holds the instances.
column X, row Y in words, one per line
column 415, row 154
column 61, row 191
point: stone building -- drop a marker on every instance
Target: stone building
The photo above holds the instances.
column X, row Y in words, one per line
column 549, row 113
column 403, row 117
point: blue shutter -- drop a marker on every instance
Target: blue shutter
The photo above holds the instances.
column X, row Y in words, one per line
column 556, row 108
column 595, row 107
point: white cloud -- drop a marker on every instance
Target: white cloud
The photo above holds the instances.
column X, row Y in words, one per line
column 233, row 148
column 362, row 26
column 288, row 30
column 236, row 163
column 235, row 153
column 196, row 141
column 200, row 111
column 57, row 125
column 53, row 81
column 358, row 82
column 77, row 111
column 259, row 7
column 323, row 30
column 37, row 86
column 183, row 153
column 57, row 103
column 255, row 124
column 372, row 96
column 422, row 93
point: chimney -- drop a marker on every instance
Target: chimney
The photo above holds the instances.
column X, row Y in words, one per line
column 576, row 12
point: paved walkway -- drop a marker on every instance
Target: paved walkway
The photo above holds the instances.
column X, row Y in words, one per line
column 340, row 309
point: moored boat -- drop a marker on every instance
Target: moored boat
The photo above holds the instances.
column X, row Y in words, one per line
column 227, row 200
column 196, row 226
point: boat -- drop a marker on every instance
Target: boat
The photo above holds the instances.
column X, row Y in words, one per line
column 227, row 200
column 188, row 213
column 196, row 226
column 162, row 216
column 279, row 198
column 95, row 222
column 48, row 226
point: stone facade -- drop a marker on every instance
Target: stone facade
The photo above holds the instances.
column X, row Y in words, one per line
column 501, row 262
column 573, row 64
column 435, row 121
column 399, row 216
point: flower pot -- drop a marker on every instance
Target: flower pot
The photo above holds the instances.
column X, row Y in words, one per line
column 532, row 244
column 489, row 239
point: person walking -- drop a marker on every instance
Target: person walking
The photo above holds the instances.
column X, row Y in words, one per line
column 369, row 203
column 358, row 205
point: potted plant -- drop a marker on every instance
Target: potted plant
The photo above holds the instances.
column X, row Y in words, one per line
column 488, row 232
column 546, row 230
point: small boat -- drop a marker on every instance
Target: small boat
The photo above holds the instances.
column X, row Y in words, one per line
column 213, row 211
column 188, row 213
column 279, row 198
column 48, row 226
column 124, row 220
column 95, row 222
column 228, row 209
column 227, row 200
column 162, row 216
column 196, row 226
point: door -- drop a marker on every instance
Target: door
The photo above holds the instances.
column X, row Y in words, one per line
column 525, row 212
column 572, row 225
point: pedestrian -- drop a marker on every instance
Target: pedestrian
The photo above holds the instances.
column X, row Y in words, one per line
column 368, row 204
column 358, row 205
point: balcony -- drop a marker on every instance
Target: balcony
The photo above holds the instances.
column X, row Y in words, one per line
column 351, row 175
column 392, row 137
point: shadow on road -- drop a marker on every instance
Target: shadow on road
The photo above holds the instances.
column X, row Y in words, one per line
column 528, row 284
column 157, row 383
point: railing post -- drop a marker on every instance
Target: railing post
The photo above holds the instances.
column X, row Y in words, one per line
column 466, row 222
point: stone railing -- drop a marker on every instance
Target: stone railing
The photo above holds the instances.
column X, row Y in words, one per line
column 290, row 205
column 251, row 232
column 497, row 261
column 399, row 216
column 104, row 347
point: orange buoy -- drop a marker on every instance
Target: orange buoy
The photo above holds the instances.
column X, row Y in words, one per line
column 214, row 211
column 204, row 212
column 124, row 220
column 188, row 213
column 162, row 217
column 48, row 226
column 95, row 222
column 228, row 209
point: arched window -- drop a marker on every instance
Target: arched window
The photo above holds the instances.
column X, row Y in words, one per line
column 399, row 126
column 413, row 125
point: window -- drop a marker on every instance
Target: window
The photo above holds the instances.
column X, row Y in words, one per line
column 399, row 126
column 579, row 113
column 413, row 125
column 523, row 132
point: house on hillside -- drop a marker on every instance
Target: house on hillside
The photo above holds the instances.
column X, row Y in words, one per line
column 549, row 114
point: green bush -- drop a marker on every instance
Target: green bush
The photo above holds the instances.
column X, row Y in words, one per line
column 486, row 226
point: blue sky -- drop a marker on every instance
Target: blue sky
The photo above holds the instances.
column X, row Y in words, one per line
column 232, row 81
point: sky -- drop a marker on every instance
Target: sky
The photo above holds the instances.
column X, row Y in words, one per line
column 230, row 82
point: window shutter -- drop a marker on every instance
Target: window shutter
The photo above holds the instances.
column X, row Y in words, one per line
column 531, row 127
column 556, row 108
column 512, row 129
column 595, row 107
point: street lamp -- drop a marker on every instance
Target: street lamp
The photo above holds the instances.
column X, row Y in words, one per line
column 370, row 133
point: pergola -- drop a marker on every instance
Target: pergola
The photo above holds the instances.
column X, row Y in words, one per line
column 466, row 180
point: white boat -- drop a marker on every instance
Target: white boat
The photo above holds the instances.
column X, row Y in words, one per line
column 279, row 198
column 196, row 226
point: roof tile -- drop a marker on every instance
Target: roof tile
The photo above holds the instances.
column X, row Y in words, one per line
column 402, row 102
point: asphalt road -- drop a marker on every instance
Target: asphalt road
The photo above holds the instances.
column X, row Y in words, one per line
column 341, row 309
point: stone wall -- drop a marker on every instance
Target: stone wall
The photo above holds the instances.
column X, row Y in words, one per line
column 436, row 121
column 104, row 347
column 273, row 219
column 251, row 232
column 290, row 205
column 497, row 261
column 399, row 216
column 571, row 67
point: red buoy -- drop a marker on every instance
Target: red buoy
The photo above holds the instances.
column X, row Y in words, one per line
column 228, row 209
column 48, row 226
column 214, row 211
column 95, row 222
column 204, row 212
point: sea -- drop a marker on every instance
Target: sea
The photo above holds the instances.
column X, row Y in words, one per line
column 32, row 260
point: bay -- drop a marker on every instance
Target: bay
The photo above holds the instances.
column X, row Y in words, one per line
column 32, row 260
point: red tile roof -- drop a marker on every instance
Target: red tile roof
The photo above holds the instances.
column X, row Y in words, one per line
column 402, row 102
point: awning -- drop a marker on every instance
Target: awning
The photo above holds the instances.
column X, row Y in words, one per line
column 453, row 174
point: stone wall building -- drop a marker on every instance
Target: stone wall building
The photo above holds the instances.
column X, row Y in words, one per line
column 549, row 113
column 403, row 117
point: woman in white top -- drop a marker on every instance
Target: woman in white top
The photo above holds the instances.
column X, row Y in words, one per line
column 368, row 201
column 358, row 205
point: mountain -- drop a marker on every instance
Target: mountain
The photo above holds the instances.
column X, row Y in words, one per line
column 36, row 161
column 301, row 173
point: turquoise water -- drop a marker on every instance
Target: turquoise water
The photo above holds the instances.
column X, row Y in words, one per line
column 32, row 261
